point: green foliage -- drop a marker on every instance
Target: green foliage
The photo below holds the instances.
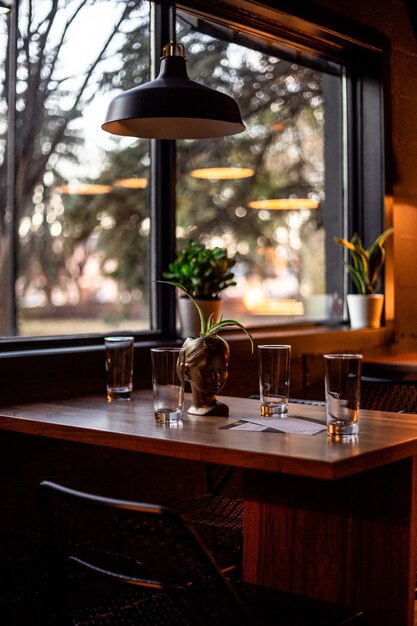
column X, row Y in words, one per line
column 209, row 327
column 200, row 271
column 366, row 264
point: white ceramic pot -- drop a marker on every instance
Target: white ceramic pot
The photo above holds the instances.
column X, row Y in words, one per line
column 365, row 310
column 189, row 318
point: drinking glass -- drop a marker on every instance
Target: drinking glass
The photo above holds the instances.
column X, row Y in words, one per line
column 119, row 367
column 274, row 379
column 343, row 386
column 168, row 384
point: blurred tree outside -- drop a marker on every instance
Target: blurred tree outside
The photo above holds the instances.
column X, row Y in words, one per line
column 51, row 98
column 282, row 107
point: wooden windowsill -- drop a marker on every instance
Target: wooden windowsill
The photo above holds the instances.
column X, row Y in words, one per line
column 62, row 372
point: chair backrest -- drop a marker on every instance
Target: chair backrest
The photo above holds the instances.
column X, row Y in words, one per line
column 137, row 545
column 384, row 394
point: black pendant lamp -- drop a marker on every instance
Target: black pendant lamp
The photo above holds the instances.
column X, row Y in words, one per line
column 172, row 106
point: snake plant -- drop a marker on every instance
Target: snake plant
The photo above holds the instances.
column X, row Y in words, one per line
column 366, row 263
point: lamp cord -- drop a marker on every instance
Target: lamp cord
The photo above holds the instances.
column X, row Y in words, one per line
column 173, row 49
column 173, row 20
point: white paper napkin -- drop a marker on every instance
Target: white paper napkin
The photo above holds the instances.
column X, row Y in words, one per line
column 286, row 425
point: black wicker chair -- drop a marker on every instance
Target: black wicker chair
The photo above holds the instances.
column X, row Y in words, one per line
column 144, row 564
column 217, row 517
column 385, row 394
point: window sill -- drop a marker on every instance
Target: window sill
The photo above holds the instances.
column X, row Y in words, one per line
column 60, row 371
column 307, row 348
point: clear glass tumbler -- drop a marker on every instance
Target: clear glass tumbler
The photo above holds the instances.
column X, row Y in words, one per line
column 274, row 379
column 168, row 384
column 119, row 367
column 343, row 388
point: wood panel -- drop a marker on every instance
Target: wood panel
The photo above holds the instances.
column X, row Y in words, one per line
column 328, row 540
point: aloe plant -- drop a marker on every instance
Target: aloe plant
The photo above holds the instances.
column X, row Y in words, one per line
column 209, row 327
column 367, row 263
column 200, row 271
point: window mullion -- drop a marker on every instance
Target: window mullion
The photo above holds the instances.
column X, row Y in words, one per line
column 163, row 185
column 11, row 216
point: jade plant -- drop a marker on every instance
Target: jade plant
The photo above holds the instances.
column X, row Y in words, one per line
column 201, row 272
column 366, row 263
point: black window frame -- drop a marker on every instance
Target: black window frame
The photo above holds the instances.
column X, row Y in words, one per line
column 308, row 30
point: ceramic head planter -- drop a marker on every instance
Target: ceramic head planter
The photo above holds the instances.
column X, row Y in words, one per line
column 206, row 368
column 206, row 360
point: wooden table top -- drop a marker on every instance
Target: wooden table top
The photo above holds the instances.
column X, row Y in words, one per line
column 405, row 358
column 404, row 364
column 383, row 437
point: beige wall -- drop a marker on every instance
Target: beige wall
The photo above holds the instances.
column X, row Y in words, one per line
column 390, row 17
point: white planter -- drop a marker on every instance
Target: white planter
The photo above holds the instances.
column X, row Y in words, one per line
column 189, row 318
column 365, row 310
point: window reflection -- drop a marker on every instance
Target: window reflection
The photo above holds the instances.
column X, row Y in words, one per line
column 274, row 220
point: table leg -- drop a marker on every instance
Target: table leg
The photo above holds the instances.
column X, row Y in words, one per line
column 351, row 540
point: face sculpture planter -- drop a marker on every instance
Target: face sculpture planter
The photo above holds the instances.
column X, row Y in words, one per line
column 206, row 369
column 206, row 362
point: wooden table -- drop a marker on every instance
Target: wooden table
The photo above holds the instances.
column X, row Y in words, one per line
column 402, row 366
column 332, row 520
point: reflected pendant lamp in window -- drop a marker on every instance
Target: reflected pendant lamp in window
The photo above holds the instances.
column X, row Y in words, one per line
column 172, row 106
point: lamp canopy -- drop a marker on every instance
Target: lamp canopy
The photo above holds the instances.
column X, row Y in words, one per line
column 172, row 106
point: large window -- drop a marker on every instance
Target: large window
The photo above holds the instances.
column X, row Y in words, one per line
column 273, row 219
column 81, row 196
column 91, row 221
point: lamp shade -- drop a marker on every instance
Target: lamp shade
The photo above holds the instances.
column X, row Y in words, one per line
column 173, row 107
